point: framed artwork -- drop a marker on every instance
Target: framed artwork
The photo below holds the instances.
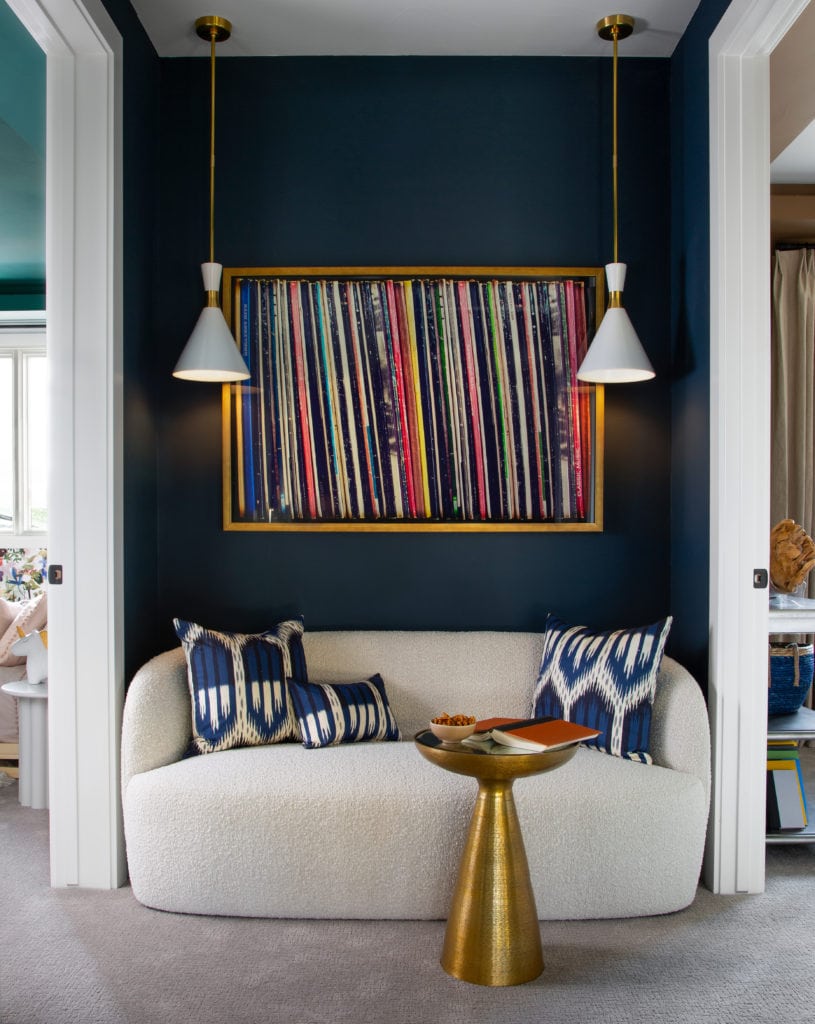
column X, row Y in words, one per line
column 413, row 398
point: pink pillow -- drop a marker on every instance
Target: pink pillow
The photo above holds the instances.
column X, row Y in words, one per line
column 28, row 616
column 8, row 613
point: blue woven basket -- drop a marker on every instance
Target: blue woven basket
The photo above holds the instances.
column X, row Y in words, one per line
column 790, row 677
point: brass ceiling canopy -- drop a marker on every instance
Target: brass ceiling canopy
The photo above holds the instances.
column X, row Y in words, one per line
column 214, row 29
column 619, row 25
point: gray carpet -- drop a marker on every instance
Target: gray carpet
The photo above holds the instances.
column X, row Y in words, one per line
column 90, row 957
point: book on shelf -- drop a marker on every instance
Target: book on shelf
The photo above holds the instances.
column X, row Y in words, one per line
column 787, row 809
column 782, row 749
column 530, row 734
column 786, row 802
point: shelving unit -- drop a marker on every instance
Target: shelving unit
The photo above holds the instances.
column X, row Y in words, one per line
column 796, row 616
column 799, row 726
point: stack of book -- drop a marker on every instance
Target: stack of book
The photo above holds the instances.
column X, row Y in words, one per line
column 786, row 799
column 522, row 736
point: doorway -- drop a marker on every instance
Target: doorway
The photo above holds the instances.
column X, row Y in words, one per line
column 83, row 270
column 739, row 99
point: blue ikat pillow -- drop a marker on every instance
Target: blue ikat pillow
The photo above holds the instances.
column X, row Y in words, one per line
column 238, row 685
column 332, row 713
column 605, row 680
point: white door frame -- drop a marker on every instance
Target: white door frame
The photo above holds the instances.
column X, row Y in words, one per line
column 83, row 275
column 739, row 55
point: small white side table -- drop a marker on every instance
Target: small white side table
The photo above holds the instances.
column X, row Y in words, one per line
column 32, row 705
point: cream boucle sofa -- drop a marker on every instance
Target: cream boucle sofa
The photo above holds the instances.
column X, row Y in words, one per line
column 372, row 830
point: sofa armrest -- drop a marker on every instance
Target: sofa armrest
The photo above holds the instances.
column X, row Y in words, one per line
column 680, row 731
column 157, row 722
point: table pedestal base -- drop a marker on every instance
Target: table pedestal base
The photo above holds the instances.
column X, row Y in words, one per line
column 33, row 724
column 32, row 718
column 493, row 935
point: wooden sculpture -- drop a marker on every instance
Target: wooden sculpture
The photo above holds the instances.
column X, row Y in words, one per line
column 792, row 555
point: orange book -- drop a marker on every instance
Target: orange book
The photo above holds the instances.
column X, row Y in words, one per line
column 486, row 725
column 541, row 734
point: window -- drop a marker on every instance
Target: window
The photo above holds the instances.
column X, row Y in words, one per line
column 23, row 434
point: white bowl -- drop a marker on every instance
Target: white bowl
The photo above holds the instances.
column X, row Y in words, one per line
column 451, row 733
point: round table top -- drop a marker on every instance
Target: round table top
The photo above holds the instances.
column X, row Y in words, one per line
column 22, row 688
column 484, row 764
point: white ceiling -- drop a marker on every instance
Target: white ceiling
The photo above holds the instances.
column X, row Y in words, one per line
column 263, row 28
column 796, row 164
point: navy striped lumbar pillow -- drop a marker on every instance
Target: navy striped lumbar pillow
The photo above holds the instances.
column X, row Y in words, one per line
column 604, row 680
column 238, row 686
column 331, row 713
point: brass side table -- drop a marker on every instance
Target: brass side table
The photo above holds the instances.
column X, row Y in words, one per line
column 493, row 935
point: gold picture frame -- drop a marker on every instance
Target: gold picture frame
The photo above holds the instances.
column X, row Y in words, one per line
column 413, row 399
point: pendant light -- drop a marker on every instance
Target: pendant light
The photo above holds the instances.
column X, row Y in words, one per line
column 615, row 356
column 211, row 353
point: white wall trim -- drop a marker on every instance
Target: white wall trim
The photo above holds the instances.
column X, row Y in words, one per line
column 83, row 271
column 739, row 52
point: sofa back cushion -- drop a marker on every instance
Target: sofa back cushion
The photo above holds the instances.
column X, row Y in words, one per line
column 238, row 686
column 606, row 680
column 332, row 713
column 427, row 673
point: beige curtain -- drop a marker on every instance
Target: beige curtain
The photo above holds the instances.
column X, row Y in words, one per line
column 793, row 392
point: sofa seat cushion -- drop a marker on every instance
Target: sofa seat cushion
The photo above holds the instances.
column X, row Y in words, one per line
column 346, row 832
column 613, row 838
column 285, row 831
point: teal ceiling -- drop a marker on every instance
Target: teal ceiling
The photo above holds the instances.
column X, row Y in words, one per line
column 22, row 166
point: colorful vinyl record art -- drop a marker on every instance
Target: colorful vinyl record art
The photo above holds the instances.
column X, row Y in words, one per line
column 413, row 399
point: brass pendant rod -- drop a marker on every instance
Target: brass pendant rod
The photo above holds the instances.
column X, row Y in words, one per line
column 212, row 39
column 615, row 27
column 615, row 32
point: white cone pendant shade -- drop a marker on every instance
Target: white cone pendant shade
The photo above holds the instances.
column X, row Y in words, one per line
column 211, row 353
column 615, row 356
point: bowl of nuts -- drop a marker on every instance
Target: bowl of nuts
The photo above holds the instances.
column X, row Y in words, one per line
column 450, row 728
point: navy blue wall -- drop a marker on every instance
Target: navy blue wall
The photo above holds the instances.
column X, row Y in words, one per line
column 336, row 161
column 140, row 68
column 690, row 320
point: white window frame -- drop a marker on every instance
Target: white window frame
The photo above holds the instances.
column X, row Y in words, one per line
column 21, row 343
